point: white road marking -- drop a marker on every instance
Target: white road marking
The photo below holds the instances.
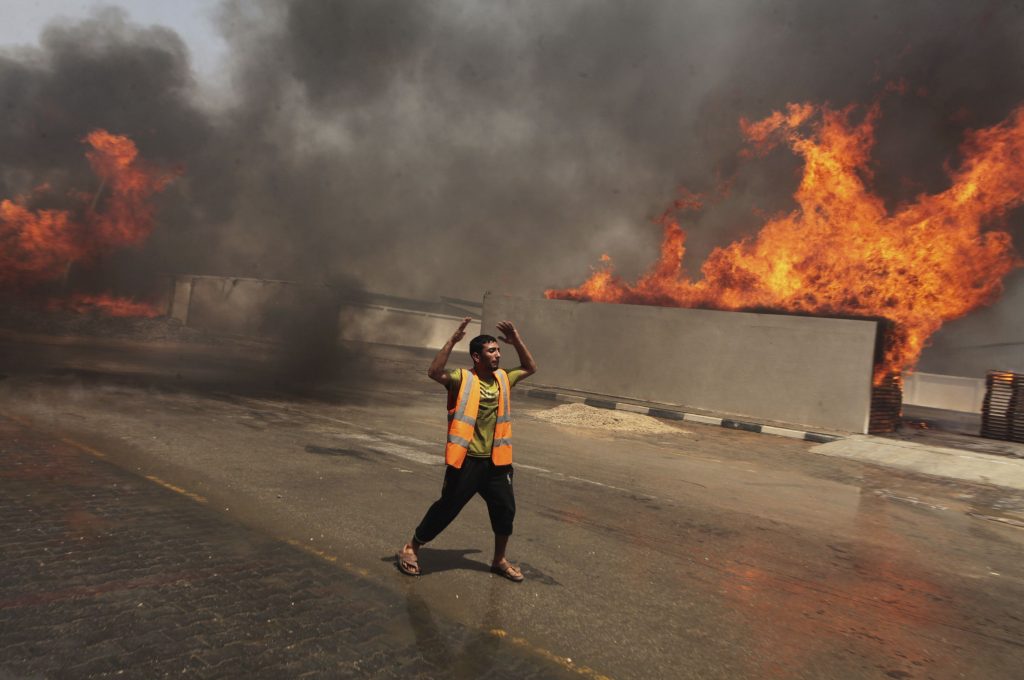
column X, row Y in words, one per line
column 407, row 453
column 885, row 493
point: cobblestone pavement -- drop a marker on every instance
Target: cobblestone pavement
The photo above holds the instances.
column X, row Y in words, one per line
column 106, row 574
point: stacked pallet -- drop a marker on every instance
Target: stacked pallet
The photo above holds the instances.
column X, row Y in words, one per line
column 1002, row 414
column 886, row 404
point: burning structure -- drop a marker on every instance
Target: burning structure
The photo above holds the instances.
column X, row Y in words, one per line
column 40, row 245
column 842, row 252
column 366, row 141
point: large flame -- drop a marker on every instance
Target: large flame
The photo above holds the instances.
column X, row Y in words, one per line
column 841, row 252
column 39, row 245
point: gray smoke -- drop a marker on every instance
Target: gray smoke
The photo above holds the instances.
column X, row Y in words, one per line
column 450, row 147
column 454, row 148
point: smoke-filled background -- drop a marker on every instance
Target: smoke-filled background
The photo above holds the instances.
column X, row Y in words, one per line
column 448, row 148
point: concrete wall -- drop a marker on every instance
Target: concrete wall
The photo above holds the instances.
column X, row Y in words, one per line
column 181, row 298
column 285, row 310
column 951, row 393
column 392, row 326
column 257, row 307
column 802, row 371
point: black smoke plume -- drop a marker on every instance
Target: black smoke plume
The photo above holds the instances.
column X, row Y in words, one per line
column 449, row 148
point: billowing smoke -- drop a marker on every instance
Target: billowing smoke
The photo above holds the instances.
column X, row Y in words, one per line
column 449, row 147
column 529, row 140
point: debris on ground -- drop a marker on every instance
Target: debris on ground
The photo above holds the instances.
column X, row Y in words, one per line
column 605, row 419
column 24, row 318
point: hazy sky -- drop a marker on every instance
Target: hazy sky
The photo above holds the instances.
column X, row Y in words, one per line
column 192, row 19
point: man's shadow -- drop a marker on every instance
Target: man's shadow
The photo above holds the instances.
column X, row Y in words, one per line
column 433, row 561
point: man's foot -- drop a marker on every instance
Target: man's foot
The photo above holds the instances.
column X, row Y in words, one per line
column 508, row 570
column 407, row 561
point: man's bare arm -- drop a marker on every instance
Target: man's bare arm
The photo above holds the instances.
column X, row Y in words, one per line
column 512, row 337
column 436, row 370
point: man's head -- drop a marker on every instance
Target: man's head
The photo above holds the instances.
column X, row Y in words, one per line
column 485, row 352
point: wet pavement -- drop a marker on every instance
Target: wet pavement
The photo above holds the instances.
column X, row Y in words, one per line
column 703, row 553
column 107, row 574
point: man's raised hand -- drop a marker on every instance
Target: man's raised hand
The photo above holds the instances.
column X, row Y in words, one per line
column 460, row 332
column 510, row 332
column 436, row 370
column 512, row 337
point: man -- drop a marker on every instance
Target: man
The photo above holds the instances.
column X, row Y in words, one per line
column 478, row 454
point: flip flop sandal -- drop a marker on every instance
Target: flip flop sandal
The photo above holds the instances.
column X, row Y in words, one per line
column 506, row 572
column 407, row 563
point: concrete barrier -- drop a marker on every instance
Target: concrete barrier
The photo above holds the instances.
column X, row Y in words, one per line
column 181, row 298
column 259, row 307
column 395, row 326
column 946, row 392
column 290, row 311
column 802, row 371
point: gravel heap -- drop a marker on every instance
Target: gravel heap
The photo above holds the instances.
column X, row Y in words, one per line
column 605, row 419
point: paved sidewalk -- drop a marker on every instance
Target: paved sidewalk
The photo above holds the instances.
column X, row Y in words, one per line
column 105, row 574
column 938, row 461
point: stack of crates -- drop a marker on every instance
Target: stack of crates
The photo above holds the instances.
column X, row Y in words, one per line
column 1002, row 415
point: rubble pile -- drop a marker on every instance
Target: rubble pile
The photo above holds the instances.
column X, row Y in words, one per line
column 618, row 421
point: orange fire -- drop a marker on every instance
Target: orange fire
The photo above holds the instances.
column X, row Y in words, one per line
column 107, row 305
column 127, row 218
column 841, row 252
column 39, row 245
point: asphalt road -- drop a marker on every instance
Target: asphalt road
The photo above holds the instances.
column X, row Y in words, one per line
column 704, row 553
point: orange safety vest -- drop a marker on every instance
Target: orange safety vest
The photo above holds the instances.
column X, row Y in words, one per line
column 462, row 412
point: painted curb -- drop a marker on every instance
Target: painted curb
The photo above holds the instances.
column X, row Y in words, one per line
column 668, row 414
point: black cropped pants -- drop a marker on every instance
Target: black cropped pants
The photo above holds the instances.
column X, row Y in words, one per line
column 476, row 476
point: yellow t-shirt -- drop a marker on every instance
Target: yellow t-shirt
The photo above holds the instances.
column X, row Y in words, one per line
column 487, row 415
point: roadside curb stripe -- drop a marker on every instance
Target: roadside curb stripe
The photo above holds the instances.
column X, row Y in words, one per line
column 670, row 414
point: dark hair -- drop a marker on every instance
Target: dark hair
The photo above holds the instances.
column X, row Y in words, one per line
column 476, row 345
